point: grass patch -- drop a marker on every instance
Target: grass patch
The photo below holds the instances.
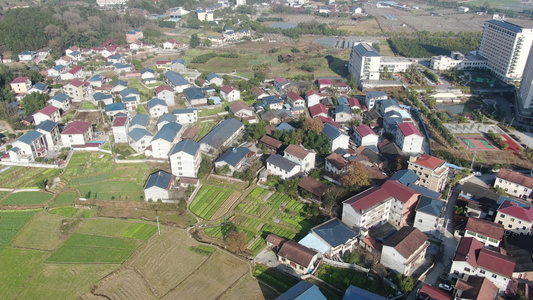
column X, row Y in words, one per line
column 67, row 211
column 277, row 279
column 65, row 198
column 17, row 265
column 203, row 250
column 42, row 232
column 107, row 227
column 87, row 105
column 113, row 190
column 141, row 231
column 10, row 223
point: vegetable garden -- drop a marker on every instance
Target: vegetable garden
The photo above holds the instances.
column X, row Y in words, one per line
column 208, row 200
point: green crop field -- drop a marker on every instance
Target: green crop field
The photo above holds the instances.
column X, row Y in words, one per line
column 10, row 223
column 113, row 190
column 107, row 227
column 65, row 198
column 67, row 211
column 42, row 232
column 139, row 231
column 19, row 177
column 26, row 198
column 208, row 200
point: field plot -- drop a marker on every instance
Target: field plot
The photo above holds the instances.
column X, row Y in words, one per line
column 16, row 266
column 127, row 285
column 10, row 223
column 209, row 199
column 113, row 190
column 67, row 211
column 248, row 288
column 105, row 227
column 65, row 198
column 41, row 233
column 139, row 231
column 162, row 261
column 218, row 273
column 18, row 177
column 27, row 198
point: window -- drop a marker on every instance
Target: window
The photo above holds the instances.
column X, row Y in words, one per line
column 512, row 219
column 502, row 216
column 494, row 276
column 509, row 226
column 481, row 271
column 420, row 220
column 500, row 222
column 467, row 270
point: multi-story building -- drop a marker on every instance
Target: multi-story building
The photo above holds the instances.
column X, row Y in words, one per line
column 301, row 156
column 77, row 89
column 487, row 232
column 506, row 47
column 405, row 251
column 409, row 138
column 282, row 167
column 186, row 116
column 28, row 147
column 364, row 62
column 121, row 128
column 431, row 171
column 515, row 218
column 365, row 136
column 514, row 183
column 20, row 85
column 76, row 133
column 392, row 202
column 165, row 138
column 525, row 93
column 185, row 158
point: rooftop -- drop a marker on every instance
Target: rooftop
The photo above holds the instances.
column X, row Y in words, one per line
column 76, row 127
column 220, row 134
column 334, row 232
column 512, row 209
column 313, row 186
column 407, row 241
column 364, row 130
column 429, row 161
column 233, row 156
column 375, row 195
column 408, row 129
column 486, row 228
column 168, row 132
column 366, row 50
column 297, row 253
column 297, row 151
column 281, row 162
column 160, row 179
column 430, row 206
column 516, row 177
column 188, row 146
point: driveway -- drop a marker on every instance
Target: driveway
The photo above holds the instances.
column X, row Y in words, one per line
column 267, row 257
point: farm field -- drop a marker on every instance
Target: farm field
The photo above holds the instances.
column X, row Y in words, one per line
column 40, row 233
column 209, row 199
column 14, row 177
column 65, row 198
column 27, row 198
column 67, row 211
column 10, row 223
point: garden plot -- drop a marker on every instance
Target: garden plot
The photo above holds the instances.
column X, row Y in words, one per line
column 125, row 284
column 210, row 198
column 25, row 177
column 27, row 198
column 10, row 223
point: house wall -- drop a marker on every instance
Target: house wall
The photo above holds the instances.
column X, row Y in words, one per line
column 460, row 269
column 296, row 267
column 330, row 168
column 275, row 170
column 369, row 140
column 342, row 117
column 512, row 188
column 167, row 96
column 185, row 165
column 434, row 180
column 427, row 223
column 158, row 110
column 155, row 193
column 411, row 144
column 22, row 87
column 69, row 140
column 187, row 118
column 343, row 142
column 201, row 101
column 306, row 164
column 392, row 259
column 313, row 100
column 141, row 144
column 232, row 96
column 513, row 224
column 160, row 148
column 120, row 134
column 484, row 239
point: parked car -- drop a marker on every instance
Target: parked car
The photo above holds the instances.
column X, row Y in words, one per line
column 446, row 287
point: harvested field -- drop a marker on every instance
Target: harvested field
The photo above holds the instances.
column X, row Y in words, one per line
column 248, row 288
column 125, row 284
column 162, row 261
column 211, row 279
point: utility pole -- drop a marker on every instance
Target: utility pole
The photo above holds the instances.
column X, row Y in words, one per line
column 473, row 159
column 158, row 228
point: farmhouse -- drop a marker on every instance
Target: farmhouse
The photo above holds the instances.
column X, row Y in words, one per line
column 28, row 147
column 282, row 167
column 221, row 136
column 300, row 258
column 333, row 239
column 50, row 130
column 185, row 158
column 514, row 183
column 76, row 133
column 233, row 158
column 186, row 116
column 120, row 129
column 164, row 139
column 139, row 139
column 405, row 251
column 485, row 231
column 158, row 186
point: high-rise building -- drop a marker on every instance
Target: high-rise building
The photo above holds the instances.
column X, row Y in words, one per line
column 506, row 47
column 364, row 62
column 525, row 93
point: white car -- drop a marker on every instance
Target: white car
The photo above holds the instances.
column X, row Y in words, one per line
column 446, row 287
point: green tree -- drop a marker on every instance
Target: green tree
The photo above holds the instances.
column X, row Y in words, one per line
column 404, row 283
column 195, row 41
column 227, row 228
column 34, row 101
column 205, row 167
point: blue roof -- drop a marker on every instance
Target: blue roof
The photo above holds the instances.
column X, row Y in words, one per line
column 160, row 179
column 114, row 56
column 311, row 241
column 188, row 146
column 101, row 96
column 75, row 53
column 216, row 100
column 140, row 119
column 271, row 100
column 220, row 134
column 334, row 232
column 366, row 50
column 343, row 101
column 178, row 61
column 233, row 156
column 121, row 66
column 405, row 177
column 376, row 94
column 285, row 127
column 58, row 67
column 303, row 290
column 355, row 293
column 144, row 70
column 506, row 25
column 430, row 206
column 167, row 118
column 343, row 108
column 331, row 131
column 212, row 76
column 47, row 125
column 168, row 132
column 96, row 77
column 176, row 78
column 120, row 82
column 424, row 191
column 40, row 86
column 129, row 99
column 388, row 103
column 128, row 91
column 61, row 97
column 194, row 93
column 156, row 101
column 184, row 111
column 29, row 137
column 115, row 107
column 138, row 133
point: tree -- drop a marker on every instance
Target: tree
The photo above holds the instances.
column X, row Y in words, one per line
column 33, row 102
column 404, row 283
column 356, row 174
column 205, row 168
column 224, row 170
column 312, row 124
column 195, row 41
column 237, row 241
column 256, row 131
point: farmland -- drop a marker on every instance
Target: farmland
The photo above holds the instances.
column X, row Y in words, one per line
column 14, row 177
column 209, row 199
column 65, row 198
column 10, row 223
column 27, row 198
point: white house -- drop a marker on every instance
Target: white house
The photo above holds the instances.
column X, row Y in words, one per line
column 148, row 76
column 185, row 158
column 170, row 44
column 50, row 130
column 158, row 186
column 120, row 129
column 282, row 167
column 405, row 251
column 28, row 147
column 301, row 156
column 139, row 139
column 176, row 81
column 214, row 79
column 61, row 101
column 166, row 93
column 336, row 136
column 295, row 100
column 300, row 258
column 487, row 232
column 221, row 136
column 335, row 164
column 165, row 119
column 313, row 98
column 186, row 116
column 373, row 97
column 343, row 114
column 332, row 238
column 229, row 93
column 409, row 139
column 514, row 183
column 514, row 217
column 157, row 108
column 76, row 133
column 429, row 215
column 365, row 136
column 49, row 112
column 164, row 139
column 76, row 72
column 178, row 65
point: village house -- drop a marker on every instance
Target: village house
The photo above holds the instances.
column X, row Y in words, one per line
column 271, row 143
column 158, row 186
column 373, row 97
column 165, row 119
column 139, row 121
column 300, row 258
column 49, row 112
column 282, row 167
column 432, row 171
column 164, row 139
column 185, row 158
column 332, row 238
column 343, row 114
column 148, row 76
column 178, row 65
column 186, row 116
column 166, row 93
column 40, row 88
column 316, row 188
column 75, row 72
column 409, row 139
column 214, row 79
column 176, row 81
column 120, row 127
column 300, row 156
column 475, row 288
column 335, row 164
column 486, row 232
column 113, row 109
column 338, row 138
column 76, row 133
column 139, row 139
column 365, row 136
column 20, row 85
column 28, row 147
column 405, row 251
column 514, row 183
column 295, row 100
column 221, row 136
column 77, row 89
column 234, row 158
column 195, row 96
column 104, row 98
column 429, row 215
column 229, row 93
column 515, row 217
column 318, row 110
column 157, row 108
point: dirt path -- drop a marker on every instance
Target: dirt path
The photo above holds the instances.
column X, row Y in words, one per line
column 4, row 125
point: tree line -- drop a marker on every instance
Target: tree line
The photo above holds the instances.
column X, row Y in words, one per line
column 425, row 44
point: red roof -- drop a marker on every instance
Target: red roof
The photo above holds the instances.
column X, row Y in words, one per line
column 162, row 62
column 354, row 103
column 430, row 292
column 375, row 195
column 172, row 41
column 163, row 87
column 324, row 82
column 226, row 89
column 120, row 121
column 49, row 110
column 318, row 109
column 512, row 209
column 329, row 121
column 280, row 80
column 495, row 262
column 515, row 177
column 429, row 161
column 74, row 70
column 20, row 79
column 467, row 250
column 297, row 151
column 311, row 92
column 337, row 161
column 409, row 129
column 77, row 82
column 76, row 127
column 364, row 130
column 486, row 228
column 293, row 96
column 257, row 91
column 340, row 84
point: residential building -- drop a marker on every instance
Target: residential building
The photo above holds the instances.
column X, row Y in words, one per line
column 282, row 167
column 139, row 121
column 104, row 98
column 241, row 110
column 186, row 116
column 139, row 139
column 318, row 110
column 295, row 100
column 338, row 138
column 332, row 238
column 432, row 171
column 335, row 164
column 157, row 108
column 176, row 81
column 39, row 87
column 77, row 89
column 472, row 259
column 75, row 72
column 356, row 293
column 405, row 251
column 303, row 289
column 76, row 133
column 429, row 217
column 214, row 79
column 20, row 85
column 514, row 183
column 372, row 98
column 221, row 136
column 316, row 188
column 148, row 76
column 280, row 84
column 392, row 202
column 178, row 65
column 301, row 156
column 258, row 92
column 185, row 158
column 50, row 130
column 166, row 93
column 409, row 138
column 313, row 98
column 233, row 158
column 115, row 109
column 195, row 96
column 273, row 102
column 49, row 112
column 97, row 80
column 442, row 63
column 165, row 119
column 300, row 258
column 164, row 139
column 364, row 62
column 271, row 143
column 28, row 55
column 343, row 114
column 229, row 93
column 158, row 186
column 514, row 217
column 55, row 71
column 120, row 129
column 28, row 147
column 486, row 232
column 430, row 292
column 365, row 136
column 506, row 47
column 475, row 288
column 119, row 85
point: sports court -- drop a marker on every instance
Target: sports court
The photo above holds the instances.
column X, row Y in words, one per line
column 477, row 143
